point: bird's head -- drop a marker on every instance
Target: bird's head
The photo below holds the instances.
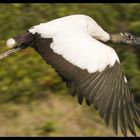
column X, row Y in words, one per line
column 125, row 38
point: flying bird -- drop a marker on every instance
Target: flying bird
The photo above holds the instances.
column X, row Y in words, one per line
column 75, row 47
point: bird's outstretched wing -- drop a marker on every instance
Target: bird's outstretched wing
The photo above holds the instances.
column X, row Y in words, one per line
column 110, row 95
column 107, row 91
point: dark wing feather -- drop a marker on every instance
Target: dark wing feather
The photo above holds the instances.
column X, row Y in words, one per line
column 99, row 96
column 129, row 112
column 106, row 90
column 122, row 116
column 107, row 96
column 115, row 108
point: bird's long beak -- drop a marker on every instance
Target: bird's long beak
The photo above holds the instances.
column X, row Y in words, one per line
column 136, row 41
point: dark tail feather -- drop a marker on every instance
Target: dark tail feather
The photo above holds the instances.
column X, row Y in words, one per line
column 25, row 38
column 21, row 41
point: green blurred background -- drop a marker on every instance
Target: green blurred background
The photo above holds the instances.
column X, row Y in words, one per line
column 33, row 99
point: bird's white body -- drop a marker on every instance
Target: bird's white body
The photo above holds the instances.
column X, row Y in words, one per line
column 76, row 39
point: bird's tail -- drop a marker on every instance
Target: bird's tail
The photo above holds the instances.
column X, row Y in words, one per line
column 25, row 38
column 17, row 43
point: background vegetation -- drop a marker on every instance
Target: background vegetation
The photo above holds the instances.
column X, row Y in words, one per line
column 33, row 99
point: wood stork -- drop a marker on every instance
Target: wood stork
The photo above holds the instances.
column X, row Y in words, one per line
column 73, row 46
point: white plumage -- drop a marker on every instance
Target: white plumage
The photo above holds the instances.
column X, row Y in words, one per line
column 75, row 38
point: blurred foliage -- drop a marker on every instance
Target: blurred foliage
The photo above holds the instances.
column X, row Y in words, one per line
column 47, row 127
column 25, row 75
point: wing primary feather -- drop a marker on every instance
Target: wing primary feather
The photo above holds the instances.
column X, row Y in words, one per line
column 88, row 102
column 115, row 106
column 96, row 100
column 108, row 110
column 135, row 114
column 84, row 84
column 105, row 96
column 79, row 96
column 122, row 117
column 128, row 112
column 87, row 79
column 136, row 107
column 112, row 96
column 136, row 119
column 115, row 112
column 72, row 89
column 95, row 91
column 86, row 93
column 92, row 86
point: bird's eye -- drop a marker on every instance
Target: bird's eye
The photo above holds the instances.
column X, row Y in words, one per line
column 128, row 36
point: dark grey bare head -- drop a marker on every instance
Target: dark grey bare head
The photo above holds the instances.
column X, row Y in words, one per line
column 125, row 38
